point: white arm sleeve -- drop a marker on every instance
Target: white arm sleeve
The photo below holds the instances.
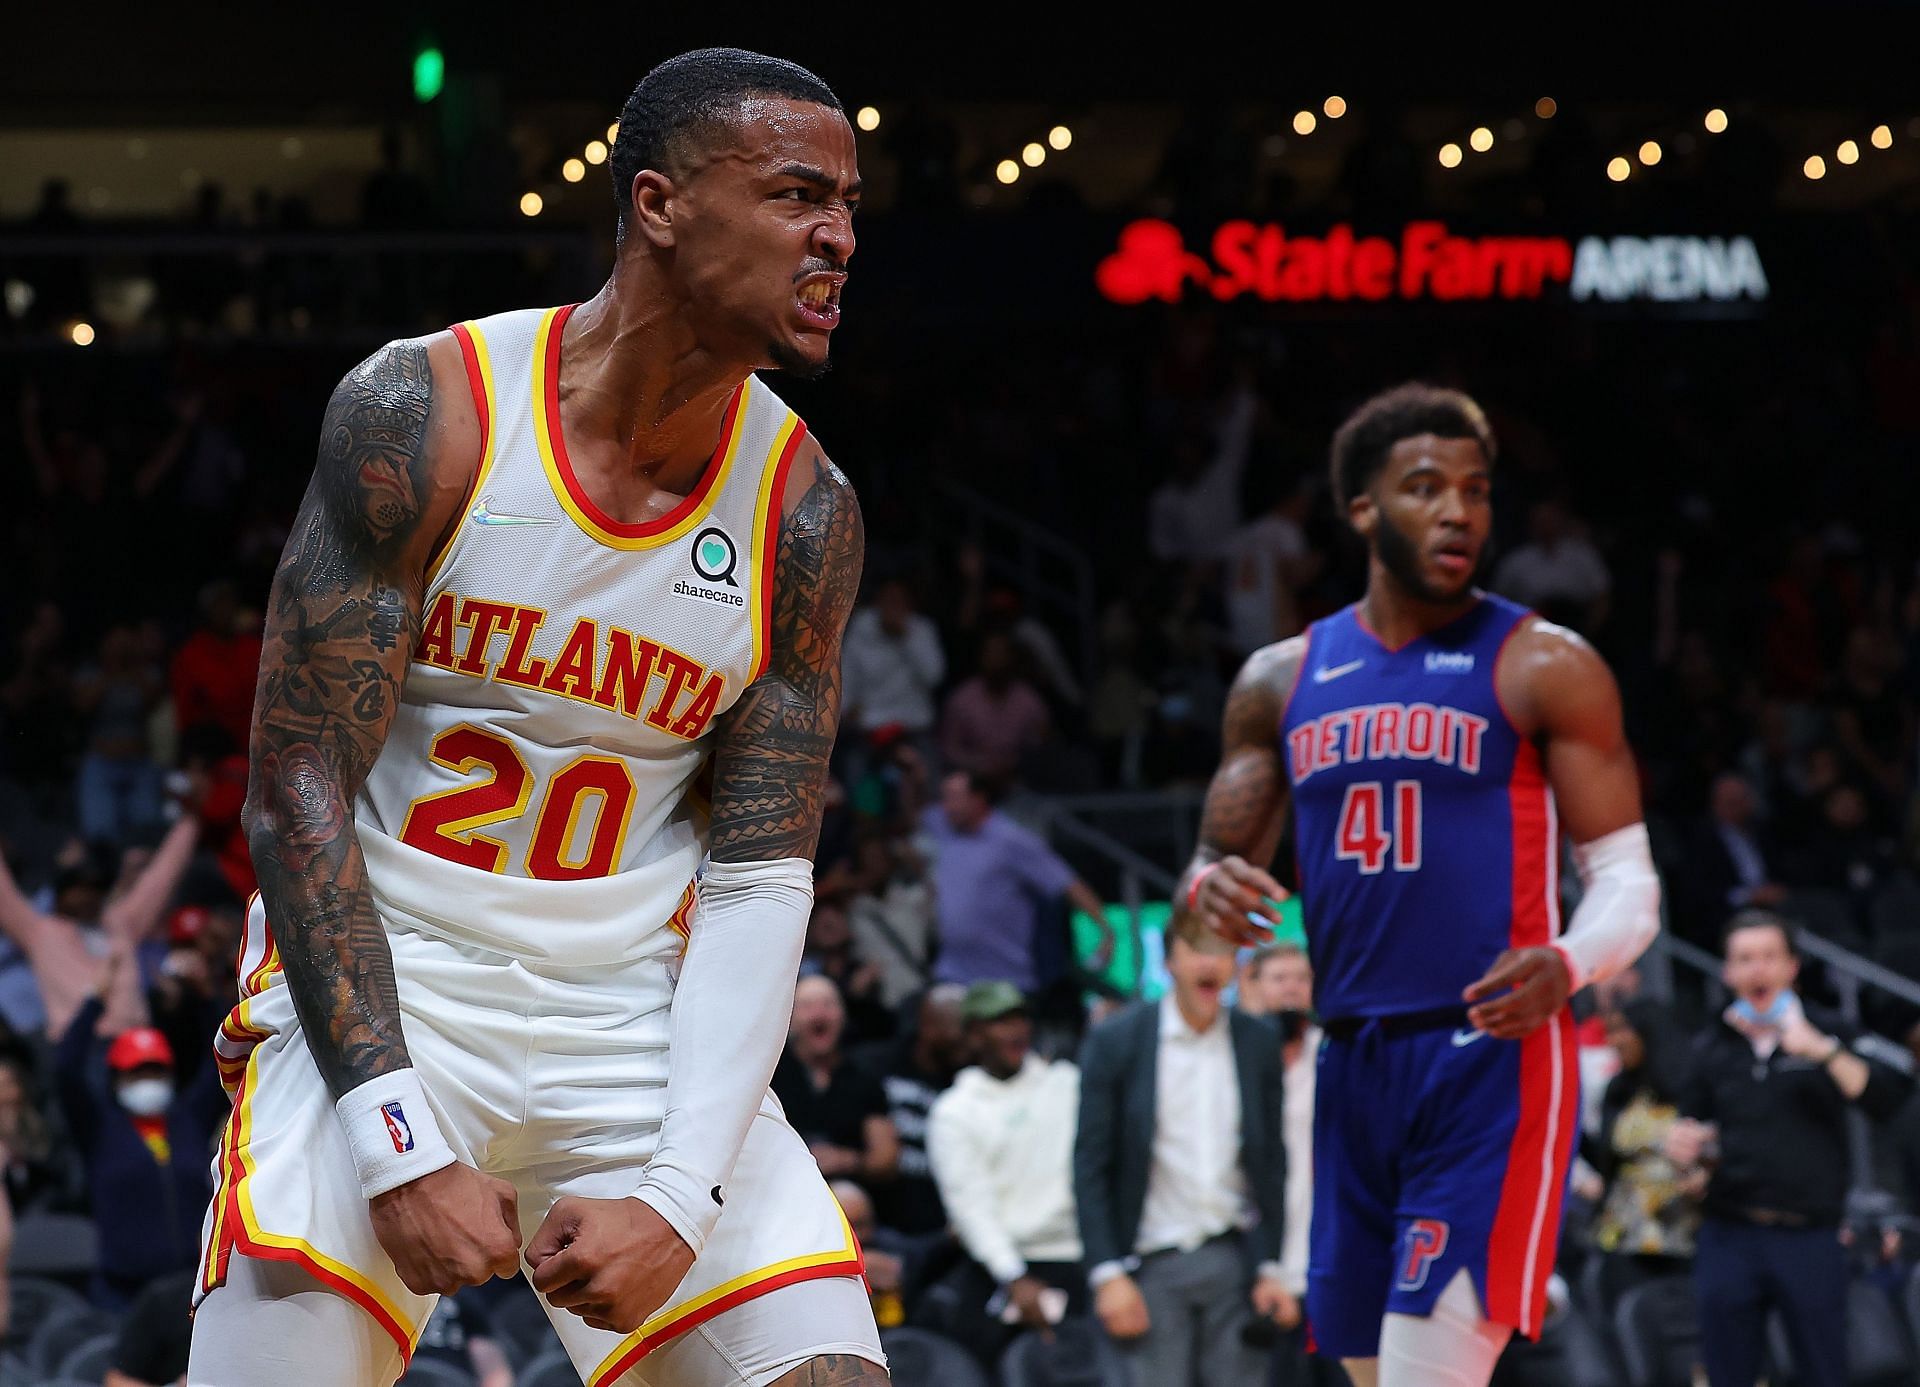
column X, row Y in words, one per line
column 1620, row 913
column 731, row 1011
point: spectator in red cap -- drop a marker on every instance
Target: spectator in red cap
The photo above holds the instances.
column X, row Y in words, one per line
column 145, row 1145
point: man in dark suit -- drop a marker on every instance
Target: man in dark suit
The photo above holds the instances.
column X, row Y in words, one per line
column 1179, row 1173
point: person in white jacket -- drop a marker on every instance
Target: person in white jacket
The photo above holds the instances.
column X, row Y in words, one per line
column 1001, row 1145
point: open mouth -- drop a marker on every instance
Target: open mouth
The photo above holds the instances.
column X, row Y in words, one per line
column 819, row 301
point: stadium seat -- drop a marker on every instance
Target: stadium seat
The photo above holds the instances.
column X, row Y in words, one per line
column 921, row 1358
column 89, row 1360
column 1895, row 908
column 1078, row 1355
column 550, row 1369
column 33, row 1301
column 1591, row 1359
column 66, row 1331
column 1878, row 1351
column 438, row 1372
column 1659, row 1332
column 519, row 1321
column 54, row 1245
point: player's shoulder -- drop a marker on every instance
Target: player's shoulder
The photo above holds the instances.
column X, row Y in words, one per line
column 400, row 441
column 1546, row 649
column 1548, row 672
column 1272, row 670
column 419, row 387
column 813, row 478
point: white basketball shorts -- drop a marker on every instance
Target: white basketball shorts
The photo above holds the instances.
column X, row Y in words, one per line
column 551, row 1078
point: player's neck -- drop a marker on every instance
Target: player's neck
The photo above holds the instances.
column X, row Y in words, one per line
column 1398, row 616
column 634, row 376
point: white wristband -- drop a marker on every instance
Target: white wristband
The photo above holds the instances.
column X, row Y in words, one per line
column 392, row 1132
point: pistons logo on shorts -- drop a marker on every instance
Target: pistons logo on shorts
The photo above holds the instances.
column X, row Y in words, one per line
column 397, row 1127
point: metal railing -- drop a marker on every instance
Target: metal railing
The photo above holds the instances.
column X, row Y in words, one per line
column 1056, row 575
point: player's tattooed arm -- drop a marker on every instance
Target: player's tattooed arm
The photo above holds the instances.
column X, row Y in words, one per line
column 341, row 623
column 1245, row 808
column 770, row 762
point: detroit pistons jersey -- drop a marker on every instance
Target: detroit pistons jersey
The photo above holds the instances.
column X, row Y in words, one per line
column 540, row 791
column 1425, row 833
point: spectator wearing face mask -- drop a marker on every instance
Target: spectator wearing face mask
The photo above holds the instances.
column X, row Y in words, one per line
column 144, row 1143
column 1765, row 1106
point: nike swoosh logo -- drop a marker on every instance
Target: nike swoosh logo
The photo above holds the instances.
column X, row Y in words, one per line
column 1466, row 1037
column 483, row 514
column 1327, row 676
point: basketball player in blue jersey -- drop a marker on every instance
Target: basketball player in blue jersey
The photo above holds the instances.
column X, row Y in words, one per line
column 1434, row 741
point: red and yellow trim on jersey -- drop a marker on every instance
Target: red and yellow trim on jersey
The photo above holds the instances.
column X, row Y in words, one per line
column 237, row 1228
column 473, row 352
column 766, row 537
column 573, row 498
column 845, row 1260
column 681, row 921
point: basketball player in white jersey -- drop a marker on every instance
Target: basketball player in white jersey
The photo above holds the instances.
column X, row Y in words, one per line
column 558, row 630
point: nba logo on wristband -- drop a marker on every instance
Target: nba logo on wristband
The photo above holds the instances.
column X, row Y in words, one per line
column 397, row 1127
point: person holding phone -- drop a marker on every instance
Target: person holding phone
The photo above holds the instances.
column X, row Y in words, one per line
column 1765, row 1114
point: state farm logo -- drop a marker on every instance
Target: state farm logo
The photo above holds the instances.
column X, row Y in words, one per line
column 1426, row 262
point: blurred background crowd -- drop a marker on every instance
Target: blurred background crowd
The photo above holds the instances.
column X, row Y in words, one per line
column 1082, row 514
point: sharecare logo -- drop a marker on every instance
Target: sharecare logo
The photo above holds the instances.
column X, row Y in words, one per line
column 1426, row 261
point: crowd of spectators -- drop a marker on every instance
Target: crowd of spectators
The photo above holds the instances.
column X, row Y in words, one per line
column 1761, row 610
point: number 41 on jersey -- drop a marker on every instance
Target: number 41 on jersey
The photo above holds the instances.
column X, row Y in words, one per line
column 1368, row 839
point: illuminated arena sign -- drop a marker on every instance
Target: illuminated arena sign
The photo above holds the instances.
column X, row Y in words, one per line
column 1427, row 262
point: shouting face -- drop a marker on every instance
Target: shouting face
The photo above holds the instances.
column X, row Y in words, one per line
column 757, row 232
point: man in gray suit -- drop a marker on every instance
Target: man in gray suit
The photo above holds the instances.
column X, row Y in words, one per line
column 1180, row 1173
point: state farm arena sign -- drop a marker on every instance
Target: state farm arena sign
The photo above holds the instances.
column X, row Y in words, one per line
column 1427, row 262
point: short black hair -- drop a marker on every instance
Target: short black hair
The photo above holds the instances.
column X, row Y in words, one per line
column 1754, row 917
column 1361, row 445
column 688, row 98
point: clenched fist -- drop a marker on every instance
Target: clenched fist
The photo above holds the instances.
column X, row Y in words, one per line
column 1230, row 890
column 612, row 1262
column 453, row 1228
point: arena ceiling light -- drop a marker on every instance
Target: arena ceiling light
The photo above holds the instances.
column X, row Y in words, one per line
column 1060, row 137
column 1716, row 121
column 596, row 152
column 1450, row 155
column 530, row 204
column 1650, row 152
column 1007, row 171
column 1034, row 154
column 1481, row 139
column 1848, row 153
column 867, row 118
column 1303, row 122
column 1546, row 108
column 1882, row 137
column 1334, row 107
column 1815, row 167
column 1618, row 169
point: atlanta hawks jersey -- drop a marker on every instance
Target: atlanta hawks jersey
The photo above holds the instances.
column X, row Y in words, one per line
column 540, row 791
column 1427, row 842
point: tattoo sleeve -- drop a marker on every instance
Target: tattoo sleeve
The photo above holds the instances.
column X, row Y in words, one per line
column 341, row 624
column 770, row 765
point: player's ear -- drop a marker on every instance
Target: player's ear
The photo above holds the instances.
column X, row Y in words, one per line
column 1362, row 514
column 652, row 195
